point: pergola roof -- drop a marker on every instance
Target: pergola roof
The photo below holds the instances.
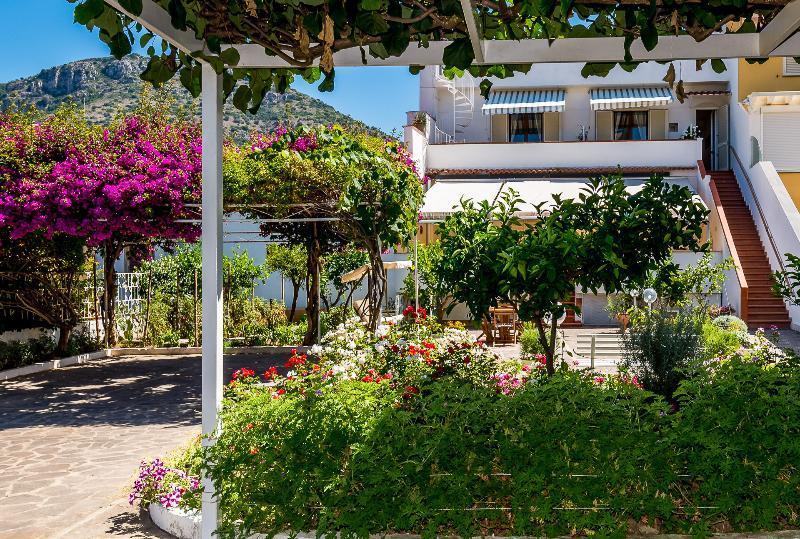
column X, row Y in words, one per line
column 778, row 38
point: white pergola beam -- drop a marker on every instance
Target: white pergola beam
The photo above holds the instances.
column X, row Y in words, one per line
column 472, row 28
column 157, row 20
column 779, row 29
column 211, row 240
column 599, row 49
column 790, row 47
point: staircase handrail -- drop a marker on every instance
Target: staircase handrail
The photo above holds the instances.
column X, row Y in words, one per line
column 775, row 250
column 744, row 290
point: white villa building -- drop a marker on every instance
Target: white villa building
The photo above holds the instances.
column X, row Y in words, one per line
column 549, row 130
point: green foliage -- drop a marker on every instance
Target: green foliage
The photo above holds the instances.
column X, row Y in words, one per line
column 306, row 34
column 690, row 286
column 289, row 261
column 15, row 354
column 240, row 274
column 737, row 432
column 175, row 271
column 659, row 348
column 334, row 267
column 530, row 345
column 787, row 283
column 730, row 322
column 718, row 341
column 433, row 290
column 606, row 238
column 456, row 459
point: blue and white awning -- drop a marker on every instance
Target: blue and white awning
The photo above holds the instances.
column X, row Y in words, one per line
column 629, row 98
column 518, row 101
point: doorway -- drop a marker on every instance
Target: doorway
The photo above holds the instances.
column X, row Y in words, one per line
column 705, row 121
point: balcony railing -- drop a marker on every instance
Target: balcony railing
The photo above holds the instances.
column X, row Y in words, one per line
column 675, row 154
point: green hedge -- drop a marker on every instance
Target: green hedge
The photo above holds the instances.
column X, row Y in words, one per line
column 561, row 455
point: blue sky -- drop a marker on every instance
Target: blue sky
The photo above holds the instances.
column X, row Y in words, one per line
column 37, row 34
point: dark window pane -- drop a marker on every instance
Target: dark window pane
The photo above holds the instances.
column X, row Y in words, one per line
column 630, row 125
column 526, row 127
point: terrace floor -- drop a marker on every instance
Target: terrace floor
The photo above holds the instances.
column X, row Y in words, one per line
column 71, row 440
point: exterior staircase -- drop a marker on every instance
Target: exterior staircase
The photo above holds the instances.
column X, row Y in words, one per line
column 462, row 90
column 764, row 308
column 603, row 349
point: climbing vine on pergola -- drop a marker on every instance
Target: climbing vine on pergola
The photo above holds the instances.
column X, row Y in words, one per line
column 305, row 34
column 324, row 187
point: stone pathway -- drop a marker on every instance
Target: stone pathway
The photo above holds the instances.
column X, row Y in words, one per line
column 71, row 440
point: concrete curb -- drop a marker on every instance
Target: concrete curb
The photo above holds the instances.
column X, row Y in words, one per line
column 54, row 364
column 122, row 352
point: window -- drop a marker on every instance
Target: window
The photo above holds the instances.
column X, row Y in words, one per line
column 528, row 127
column 791, row 68
column 630, row 125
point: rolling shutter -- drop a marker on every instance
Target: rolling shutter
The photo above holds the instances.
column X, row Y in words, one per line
column 657, row 128
column 790, row 67
column 604, row 125
column 781, row 133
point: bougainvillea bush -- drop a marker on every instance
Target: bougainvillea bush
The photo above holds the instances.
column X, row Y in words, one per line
column 382, row 434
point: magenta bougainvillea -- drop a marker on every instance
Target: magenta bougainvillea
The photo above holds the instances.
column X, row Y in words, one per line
column 129, row 184
column 126, row 186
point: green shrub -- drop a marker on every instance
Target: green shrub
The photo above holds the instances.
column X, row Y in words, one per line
column 719, row 342
column 730, row 322
column 530, row 345
column 736, row 432
column 659, row 348
column 349, row 459
column 15, row 354
column 335, row 317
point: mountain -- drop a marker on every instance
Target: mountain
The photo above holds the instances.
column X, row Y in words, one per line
column 106, row 86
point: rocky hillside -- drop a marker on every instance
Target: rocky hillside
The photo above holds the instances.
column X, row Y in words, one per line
column 106, row 86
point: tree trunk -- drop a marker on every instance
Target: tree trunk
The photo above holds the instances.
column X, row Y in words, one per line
column 295, row 294
column 312, row 303
column 64, row 333
column 376, row 285
column 110, row 255
column 549, row 345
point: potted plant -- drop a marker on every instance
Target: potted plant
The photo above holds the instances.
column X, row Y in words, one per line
column 619, row 306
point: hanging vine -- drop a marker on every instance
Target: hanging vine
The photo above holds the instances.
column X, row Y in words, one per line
column 306, row 33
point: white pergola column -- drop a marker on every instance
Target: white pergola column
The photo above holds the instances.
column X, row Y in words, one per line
column 212, row 277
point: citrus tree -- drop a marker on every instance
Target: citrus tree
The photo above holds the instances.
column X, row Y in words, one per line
column 325, row 187
column 607, row 238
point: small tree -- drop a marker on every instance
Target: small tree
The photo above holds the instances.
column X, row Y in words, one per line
column 44, row 277
column 344, row 187
column 335, row 266
column 290, row 262
column 433, row 290
column 606, row 238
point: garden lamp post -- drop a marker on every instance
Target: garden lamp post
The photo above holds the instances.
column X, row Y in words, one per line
column 649, row 296
column 634, row 294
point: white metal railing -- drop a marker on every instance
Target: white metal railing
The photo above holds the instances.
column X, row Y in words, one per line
column 462, row 90
column 441, row 137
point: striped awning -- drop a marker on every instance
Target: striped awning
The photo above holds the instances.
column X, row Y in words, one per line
column 517, row 101
column 629, row 98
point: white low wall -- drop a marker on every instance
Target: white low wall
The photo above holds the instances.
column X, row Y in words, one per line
column 648, row 153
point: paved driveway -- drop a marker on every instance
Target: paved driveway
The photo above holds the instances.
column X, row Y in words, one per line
column 71, row 440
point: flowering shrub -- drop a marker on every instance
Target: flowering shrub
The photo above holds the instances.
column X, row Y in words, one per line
column 170, row 487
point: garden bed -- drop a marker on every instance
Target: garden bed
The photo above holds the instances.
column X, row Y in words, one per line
column 421, row 430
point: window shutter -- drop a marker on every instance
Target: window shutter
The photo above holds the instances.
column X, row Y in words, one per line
column 790, row 67
column 604, row 125
column 500, row 128
column 781, row 131
column 657, row 128
column 552, row 126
